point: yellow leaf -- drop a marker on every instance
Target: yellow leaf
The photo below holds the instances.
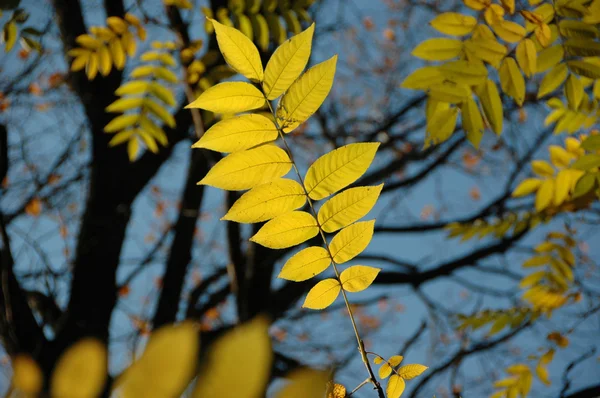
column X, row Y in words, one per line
column 10, row 34
column 351, row 241
column 492, row 105
column 509, row 5
column 347, row 207
column 472, row 121
column 511, row 80
column 454, row 24
column 544, row 195
column 527, row 57
column 261, row 31
column 542, row 168
column 305, row 383
column 552, row 80
column 450, row 92
column 247, row 347
column 563, row 186
column 493, row 14
column 27, row 376
column 358, row 277
column 322, row 295
column 338, row 169
column 306, row 95
column 549, row 57
column 81, row 371
column 247, row 169
column 88, row 41
column 441, row 121
column 509, row 31
column 162, row 93
column 395, row 387
column 486, row 49
column 267, row 201
column 411, row 371
column 238, row 133
column 287, row 230
column 378, row 360
column 477, row 5
column 80, row 62
column 559, row 156
column 395, row 360
column 385, row 371
column 116, row 24
column 423, row 78
column 133, row 149
column 544, row 35
column 543, row 375
column 471, row 73
column 133, row 87
column 439, row 49
column 574, row 92
column 91, row 68
column 306, row 264
column 239, row 51
column 159, row 111
column 104, row 60
column 287, row 63
column 526, row 187
column 536, row 261
column 121, row 122
column 229, row 97
column 532, row 279
column 125, row 104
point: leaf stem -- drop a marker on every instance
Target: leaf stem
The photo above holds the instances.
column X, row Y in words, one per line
column 361, row 346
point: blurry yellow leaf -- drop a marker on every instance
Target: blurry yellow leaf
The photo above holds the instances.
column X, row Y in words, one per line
column 322, row 295
column 470, row 73
column 472, row 121
column 287, row 230
column 574, row 92
column 486, row 49
column 531, row 279
column 454, row 24
column 247, row 169
column 125, row 104
column 121, row 122
column 306, row 94
column 238, row 133
column 477, row 5
column 492, row 105
column 526, row 187
column 411, row 371
column 306, row 264
column 395, row 387
column 358, row 277
column 338, row 168
column 559, row 156
column 81, row 370
column 423, row 78
column 267, row 201
column 450, row 92
column 347, row 207
column 248, row 348
column 439, row 49
column 287, row 62
column 552, row 80
column 304, row 383
column 509, row 31
column 351, row 241
column 385, row 371
column 441, row 122
column 104, row 60
column 542, row 168
column 229, row 97
column 133, row 87
column 544, row 195
column 544, row 35
column 27, row 376
column 239, row 51
column 549, row 57
column 512, row 81
column 527, row 57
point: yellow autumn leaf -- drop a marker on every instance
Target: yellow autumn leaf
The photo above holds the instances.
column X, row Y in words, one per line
column 512, row 81
column 509, row 31
column 492, row 105
column 563, row 186
column 322, row 295
column 423, row 78
column 485, row 48
column 27, row 376
column 544, row 195
column 472, row 121
column 306, row 94
column 338, row 169
column 454, row 24
column 347, row 207
column 167, row 365
column 411, row 371
column 289, row 229
column 441, row 121
column 449, row 92
column 526, row 187
column 477, row 5
column 239, row 51
column 358, row 277
column 306, row 264
column 267, row 201
column 133, row 87
column 125, row 104
column 104, row 60
column 91, row 68
column 229, row 97
column 471, row 73
column 304, row 383
column 287, row 63
column 574, row 92
column 351, row 241
column 385, row 371
column 559, row 156
column 81, row 370
column 395, row 387
column 532, row 279
column 549, row 57
column 509, row 5
column 247, row 169
column 159, row 111
column 552, row 80
column 238, row 133
column 527, row 57
column 248, row 348
column 542, row 168
column 439, row 49
column 121, row 122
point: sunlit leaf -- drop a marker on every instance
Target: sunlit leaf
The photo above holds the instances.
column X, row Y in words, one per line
column 306, row 264
column 358, row 277
column 287, row 230
column 322, row 295
column 347, row 207
column 351, row 241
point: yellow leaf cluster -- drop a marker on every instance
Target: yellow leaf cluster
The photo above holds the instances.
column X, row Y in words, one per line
column 143, row 103
column 397, row 375
column 107, row 46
